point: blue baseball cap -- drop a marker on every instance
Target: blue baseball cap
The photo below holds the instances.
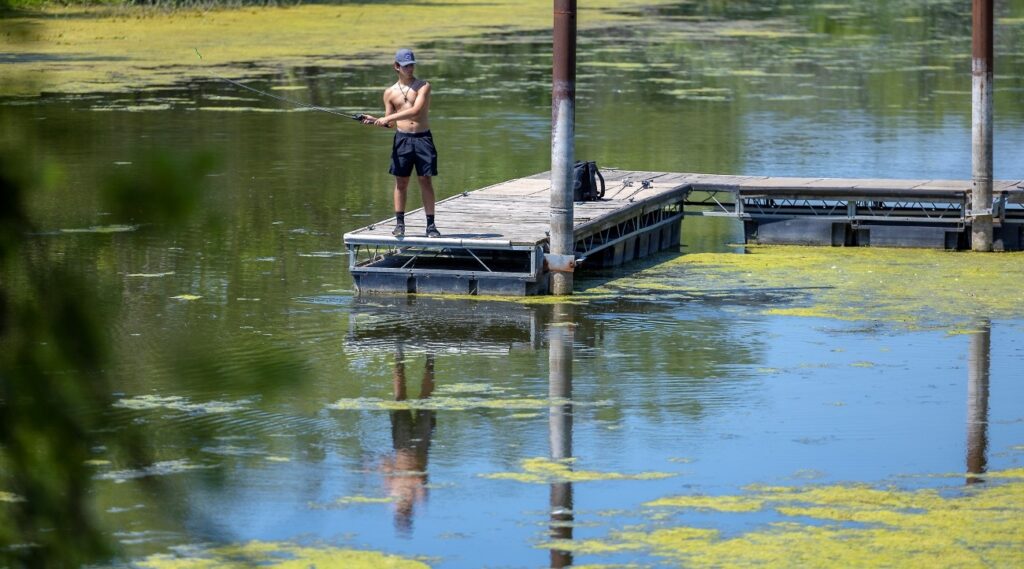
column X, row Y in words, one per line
column 405, row 57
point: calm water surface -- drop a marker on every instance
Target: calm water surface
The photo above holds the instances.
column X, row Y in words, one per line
column 291, row 437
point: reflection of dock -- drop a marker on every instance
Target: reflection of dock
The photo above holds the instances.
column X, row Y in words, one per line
column 424, row 324
column 496, row 242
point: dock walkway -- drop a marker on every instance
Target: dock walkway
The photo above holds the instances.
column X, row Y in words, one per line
column 495, row 239
column 858, row 212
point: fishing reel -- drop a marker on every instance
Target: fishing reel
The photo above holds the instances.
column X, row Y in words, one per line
column 359, row 117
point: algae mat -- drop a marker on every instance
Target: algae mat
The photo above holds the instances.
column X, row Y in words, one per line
column 78, row 50
column 540, row 470
column 837, row 526
column 915, row 288
column 280, row 555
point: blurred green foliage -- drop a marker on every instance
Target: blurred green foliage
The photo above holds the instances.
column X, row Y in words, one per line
column 54, row 350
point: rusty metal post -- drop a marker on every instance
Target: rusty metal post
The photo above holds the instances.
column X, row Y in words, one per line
column 561, row 337
column 563, row 118
column 978, row 364
column 982, row 67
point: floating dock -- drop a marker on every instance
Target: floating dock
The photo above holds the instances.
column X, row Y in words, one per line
column 858, row 212
column 495, row 239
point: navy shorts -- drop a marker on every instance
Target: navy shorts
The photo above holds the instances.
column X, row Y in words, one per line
column 413, row 149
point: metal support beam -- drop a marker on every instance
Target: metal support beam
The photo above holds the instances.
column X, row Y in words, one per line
column 982, row 67
column 563, row 117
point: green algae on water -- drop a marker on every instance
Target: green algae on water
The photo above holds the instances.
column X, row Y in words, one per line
column 547, row 471
column 186, row 297
column 914, row 288
column 441, row 403
column 364, row 500
column 133, row 108
column 150, row 275
column 232, row 450
column 1013, row 473
column 276, row 555
column 102, row 229
column 346, row 501
column 249, row 110
column 162, row 468
column 717, row 503
column 179, row 403
column 839, row 526
column 762, row 33
column 468, row 388
column 81, row 49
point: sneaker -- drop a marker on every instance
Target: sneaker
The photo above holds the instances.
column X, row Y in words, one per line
column 399, row 230
column 432, row 231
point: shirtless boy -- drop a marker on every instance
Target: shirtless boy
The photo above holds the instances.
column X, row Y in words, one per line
column 406, row 104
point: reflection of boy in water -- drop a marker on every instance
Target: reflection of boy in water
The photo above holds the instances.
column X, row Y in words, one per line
column 405, row 473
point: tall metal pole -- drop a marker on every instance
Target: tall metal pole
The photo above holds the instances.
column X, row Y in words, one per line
column 982, row 65
column 563, row 134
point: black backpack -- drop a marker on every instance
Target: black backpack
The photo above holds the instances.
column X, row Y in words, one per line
column 584, row 188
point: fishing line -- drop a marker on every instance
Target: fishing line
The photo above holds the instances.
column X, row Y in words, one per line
column 359, row 117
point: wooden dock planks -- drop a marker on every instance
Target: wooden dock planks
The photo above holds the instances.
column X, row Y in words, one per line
column 518, row 210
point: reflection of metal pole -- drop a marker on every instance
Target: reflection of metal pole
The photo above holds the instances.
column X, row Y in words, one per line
column 982, row 71
column 563, row 117
column 560, row 341
column 978, row 362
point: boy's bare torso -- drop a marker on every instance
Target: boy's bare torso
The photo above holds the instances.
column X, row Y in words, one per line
column 400, row 97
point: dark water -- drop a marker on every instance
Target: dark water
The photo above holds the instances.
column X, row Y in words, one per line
column 714, row 392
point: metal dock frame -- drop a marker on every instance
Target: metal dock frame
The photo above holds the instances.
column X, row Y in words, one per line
column 445, row 266
column 915, row 214
column 635, row 234
column 474, row 266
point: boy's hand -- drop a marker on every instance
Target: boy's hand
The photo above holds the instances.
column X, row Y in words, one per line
column 368, row 119
column 381, row 122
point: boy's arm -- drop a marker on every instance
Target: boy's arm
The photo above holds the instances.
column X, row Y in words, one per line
column 422, row 100
column 388, row 109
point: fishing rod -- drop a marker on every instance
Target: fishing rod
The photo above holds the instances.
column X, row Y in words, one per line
column 359, row 116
